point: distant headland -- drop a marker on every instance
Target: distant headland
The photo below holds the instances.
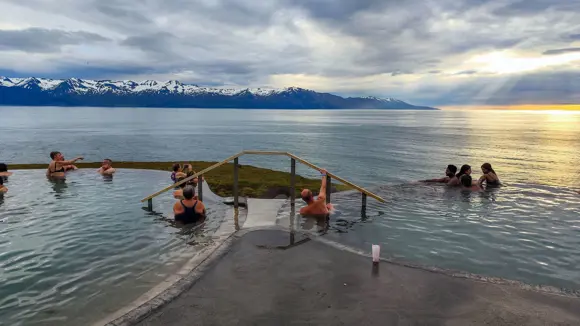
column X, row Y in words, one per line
column 174, row 94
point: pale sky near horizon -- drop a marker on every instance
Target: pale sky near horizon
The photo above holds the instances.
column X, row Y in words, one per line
column 455, row 53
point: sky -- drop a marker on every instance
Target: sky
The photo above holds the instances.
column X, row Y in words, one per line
column 445, row 53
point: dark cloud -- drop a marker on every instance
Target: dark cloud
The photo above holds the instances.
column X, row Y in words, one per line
column 42, row 40
column 246, row 42
column 561, row 51
column 466, row 72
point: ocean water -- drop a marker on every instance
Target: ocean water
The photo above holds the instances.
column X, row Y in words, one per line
column 73, row 252
column 527, row 230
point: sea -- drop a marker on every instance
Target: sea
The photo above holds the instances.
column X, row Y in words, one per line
column 527, row 230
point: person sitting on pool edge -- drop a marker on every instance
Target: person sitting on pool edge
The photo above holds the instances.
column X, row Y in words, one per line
column 450, row 178
column 56, row 168
column 489, row 176
column 318, row 206
column 106, row 167
column 190, row 209
column 467, row 183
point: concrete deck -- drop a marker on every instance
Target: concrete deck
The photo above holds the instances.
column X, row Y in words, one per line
column 263, row 280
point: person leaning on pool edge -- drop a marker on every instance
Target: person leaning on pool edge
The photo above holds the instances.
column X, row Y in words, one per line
column 318, row 206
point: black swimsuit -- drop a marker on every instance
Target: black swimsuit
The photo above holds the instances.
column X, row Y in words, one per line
column 57, row 171
column 189, row 214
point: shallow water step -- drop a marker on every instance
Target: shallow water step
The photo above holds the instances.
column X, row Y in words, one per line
column 262, row 212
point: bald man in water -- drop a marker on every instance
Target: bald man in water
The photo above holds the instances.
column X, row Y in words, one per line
column 318, row 206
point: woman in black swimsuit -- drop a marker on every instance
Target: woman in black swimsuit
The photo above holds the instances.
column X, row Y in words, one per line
column 189, row 210
column 56, row 168
column 489, row 175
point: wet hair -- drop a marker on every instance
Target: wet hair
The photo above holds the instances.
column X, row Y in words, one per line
column 176, row 167
column 452, row 168
column 53, row 154
column 308, row 197
column 188, row 192
column 3, row 167
column 488, row 167
column 463, row 169
column 466, row 180
column 108, row 160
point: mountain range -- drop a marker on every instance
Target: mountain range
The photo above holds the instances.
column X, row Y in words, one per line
column 107, row 93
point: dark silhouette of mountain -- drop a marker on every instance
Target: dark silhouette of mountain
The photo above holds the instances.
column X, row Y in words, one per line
column 173, row 94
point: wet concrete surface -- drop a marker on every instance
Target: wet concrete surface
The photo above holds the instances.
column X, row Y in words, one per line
column 270, row 278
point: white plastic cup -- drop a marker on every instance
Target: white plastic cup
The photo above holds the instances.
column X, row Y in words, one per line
column 376, row 249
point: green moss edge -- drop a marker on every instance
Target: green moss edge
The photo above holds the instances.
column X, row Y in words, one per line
column 253, row 182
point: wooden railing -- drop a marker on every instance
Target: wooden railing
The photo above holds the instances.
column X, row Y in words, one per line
column 293, row 159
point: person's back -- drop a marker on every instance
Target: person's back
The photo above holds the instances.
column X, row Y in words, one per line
column 318, row 206
column 467, row 183
column 189, row 210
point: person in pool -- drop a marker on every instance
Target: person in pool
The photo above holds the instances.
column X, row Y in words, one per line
column 4, row 170
column 177, row 173
column 450, row 178
column 489, row 176
column 465, row 169
column 56, row 168
column 106, row 167
column 188, row 170
column 3, row 188
column 189, row 209
column 318, row 206
column 467, row 183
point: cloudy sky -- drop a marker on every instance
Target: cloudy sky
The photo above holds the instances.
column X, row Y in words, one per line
column 430, row 52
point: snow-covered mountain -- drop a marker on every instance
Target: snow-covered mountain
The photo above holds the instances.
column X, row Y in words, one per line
column 151, row 93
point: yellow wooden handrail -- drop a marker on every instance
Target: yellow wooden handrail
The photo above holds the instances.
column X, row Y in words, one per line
column 233, row 157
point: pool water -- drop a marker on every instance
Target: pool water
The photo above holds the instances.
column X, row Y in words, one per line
column 524, row 232
column 73, row 252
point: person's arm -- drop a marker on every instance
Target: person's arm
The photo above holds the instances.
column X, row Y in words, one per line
column 109, row 171
column 322, row 193
column 177, row 208
column 70, row 162
column 481, row 180
column 446, row 179
column 200, row 208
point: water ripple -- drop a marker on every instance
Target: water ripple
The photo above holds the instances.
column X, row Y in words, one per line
column 73, row 252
